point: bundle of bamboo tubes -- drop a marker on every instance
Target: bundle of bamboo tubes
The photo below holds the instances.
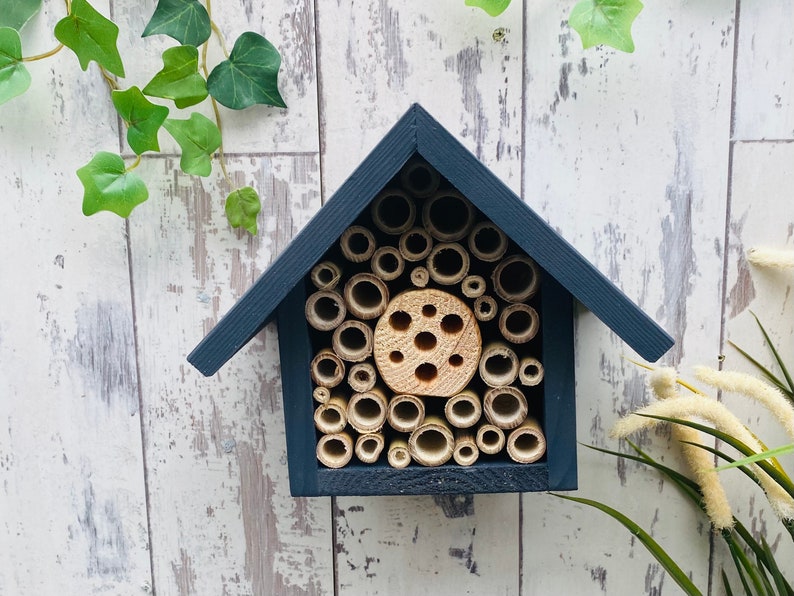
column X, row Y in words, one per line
column 425, row 325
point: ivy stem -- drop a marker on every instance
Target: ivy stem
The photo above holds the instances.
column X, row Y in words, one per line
column 52, row 52
column 134, row 164
column 111, row 82
column 216, row 30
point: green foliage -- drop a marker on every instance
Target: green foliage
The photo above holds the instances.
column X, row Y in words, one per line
column 143, row 118
column 605, row 22
column 249, row 76
column 492, row 7
column 179, row 80
column 242, row 207
column 186, row 21
column 109, row 186
column 786, row 385
column 199, row 138
column 91, row 36
column 14, row 77
column 15, row 13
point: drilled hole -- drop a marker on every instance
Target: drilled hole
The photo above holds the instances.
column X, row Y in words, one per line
column 485, row 307
column 447, row 262
column 426, row 372
column 353, row 338
column 465, row 452
column 406, row 411
column 425, row 341
column 505, row 405
column 498, row 365
column 449, row 214
column 490, row 438
column 516, row 277
column 394, row 211
column 451, row 324
column 325, row 275
column 526, row 442
column 358, row 243
column 487, row 240
column 327, row 368
column 330, row 416
column 518, row 322
column 429, row 310
column 463, row 409
column 416, row 244
column 531, row 370
column 368, row 410
column 396, row 356
column 366, row 294
column 326, row 308
column 431, row 441
column 388, row 263
column 400, row 320
column 369, row 446
column 335, row 448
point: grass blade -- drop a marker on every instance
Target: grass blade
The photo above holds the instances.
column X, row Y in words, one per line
column 764, row 371
column 757, row 457
column 744, row 566
column 781, row 584
column 726, row 584
column 774, row 351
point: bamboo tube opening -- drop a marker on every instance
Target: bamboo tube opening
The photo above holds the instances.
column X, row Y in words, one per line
column 419, row 178
column 325, row 310
column 465, row 452
column 415, row 244
column 464, row 409
column 398, row 455
column 490, row 439
column 448, row 216
column 487, row 242
column 405, row 413
column 448, row 263
column 362, row 377
column 331, row 417
column 420, row 277
column 335, row 451
column 387, row 263
column 366, row 296
column 473, row 286
column 352, row 341
column 326, row 275
column 357, row 244
column 530, row 371
column 321, row 394
column 432, row 443
column 516, row 278
column 393, row 212
column 485, row 308
column 519, row 323
column 527, row 443
column 505, row 407
column 366, row 412
column 327, row 369
column 369, row 447
column 498, row 365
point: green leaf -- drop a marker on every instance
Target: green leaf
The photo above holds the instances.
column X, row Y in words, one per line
column 757, row 457
column 199, row 138
column 186, row 21
column 764, row 371
column 492, row 7
column 14, row 77
column 249, row 76
column 726, row 584
column 109, row 186
column 143, row 118
column 242, row 207
column 775, row 353
column 91, row 36
column 768, row 559
column 605, row 22
column 179, row 79
column 15, row 13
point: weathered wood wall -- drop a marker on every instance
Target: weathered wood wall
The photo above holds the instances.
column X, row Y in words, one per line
column 124, row 471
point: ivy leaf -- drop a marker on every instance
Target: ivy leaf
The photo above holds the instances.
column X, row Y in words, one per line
column 199, row 138
column 109, row 186
column 91, row 36
column 605, row 22
column 492, row 7
column 15, row 13
column 242, row 207
column 179, row 79
column 143, row 117
column 186, row 21
column 14, row 77
column 249, row 76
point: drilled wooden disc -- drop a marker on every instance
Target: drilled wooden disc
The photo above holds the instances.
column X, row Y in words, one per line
column 427, row 342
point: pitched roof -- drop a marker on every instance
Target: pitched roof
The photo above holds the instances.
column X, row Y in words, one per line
column 418, row 132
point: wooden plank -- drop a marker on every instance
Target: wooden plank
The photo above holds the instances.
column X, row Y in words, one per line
column 72, row 492
column 627, row 156
column 375, row 59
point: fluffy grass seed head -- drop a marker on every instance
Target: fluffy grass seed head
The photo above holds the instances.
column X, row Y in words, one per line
column 771, row 257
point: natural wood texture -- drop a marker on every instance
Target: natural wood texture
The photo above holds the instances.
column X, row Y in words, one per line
column 526, row 444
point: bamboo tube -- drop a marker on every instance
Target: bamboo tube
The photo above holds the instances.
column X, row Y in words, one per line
column 473, row 286
column 490, row 439
column 398, row 455
column 519, row 323
column 325, row 310
column 448, row 216
column 366, row 411
column 326, row 275
column 498, row 365
column 393, row 212
column 505, row 407
column 415, row 244
column 465, row 452
column 527, row 443
column 530, row 371
column 321, row 394
column 362, row 377
column 369, row 447
column 516, row 278
column 352, row 341
column 405, row 413
column 464, row 409
column 331, row 417
column 387, row 263
column 335, row 451
column 419, row 277
column 485, row 308
column 366, row 296
column 432, row 443
column 327, row 369
column 448, row 263
column 357, row 244
column 487, row 242
column 419, row 178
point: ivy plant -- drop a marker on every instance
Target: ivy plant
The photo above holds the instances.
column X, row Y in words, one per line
column 248, row 76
